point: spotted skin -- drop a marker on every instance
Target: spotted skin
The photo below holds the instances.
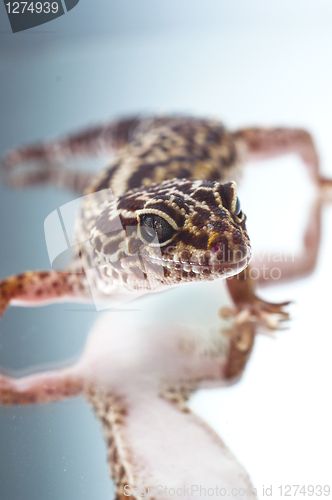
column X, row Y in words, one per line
column 173, row 148
column 173, row 173
column 174, row 178
column 40, row 287
column 208, row 235
column 179, row 172
column 206, row 240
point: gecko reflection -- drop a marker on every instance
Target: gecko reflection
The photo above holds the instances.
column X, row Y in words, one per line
column 173, row 176
column 138, row 375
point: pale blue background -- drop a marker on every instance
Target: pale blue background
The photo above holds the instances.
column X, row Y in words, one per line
column 245, row 61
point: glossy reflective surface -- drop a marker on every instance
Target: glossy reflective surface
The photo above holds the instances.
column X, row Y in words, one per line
column 265, row 68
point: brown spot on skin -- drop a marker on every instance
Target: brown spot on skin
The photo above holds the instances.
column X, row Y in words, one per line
column 121, row 472
column 144, row 170
column 134, row 245
column 114, row 455
column 98, row 244
column 167, row 272
column 237, row 237
column 116, row 265
column 200, row 242
column 218, row 226
column 181, row 203
column 21, row 276
column 200, row 218
column 112, row 246
column 136, row 271
column 41, row 275
column 204, row 213
column 105, row 421
column 122, row 255
column 4, row 293
column 106, row 225
column 128, row 221
column 105, row 183
column 130, row 202
column 205, row 195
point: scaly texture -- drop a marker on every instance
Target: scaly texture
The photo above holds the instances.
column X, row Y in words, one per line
column 164, row 212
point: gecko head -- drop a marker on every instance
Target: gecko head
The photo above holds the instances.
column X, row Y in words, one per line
column 183, row 230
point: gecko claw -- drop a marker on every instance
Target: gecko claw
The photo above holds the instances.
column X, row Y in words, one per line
column 248, row 318
column 266, row 314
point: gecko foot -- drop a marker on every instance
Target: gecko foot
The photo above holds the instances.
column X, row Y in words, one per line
column 250, row 308
column 247, row 319
column 266, row 314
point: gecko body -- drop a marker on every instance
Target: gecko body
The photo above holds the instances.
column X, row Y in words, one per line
column 165, row 212
column 171, row 221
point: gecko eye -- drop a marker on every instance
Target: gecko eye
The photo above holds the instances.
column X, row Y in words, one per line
column 152, row 226
column 237, row 210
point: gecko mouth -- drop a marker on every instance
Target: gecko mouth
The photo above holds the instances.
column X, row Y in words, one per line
column 205, row 270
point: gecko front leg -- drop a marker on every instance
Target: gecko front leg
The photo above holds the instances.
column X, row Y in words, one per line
column 41, row 287
column 250, row 311
column 41, row 387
